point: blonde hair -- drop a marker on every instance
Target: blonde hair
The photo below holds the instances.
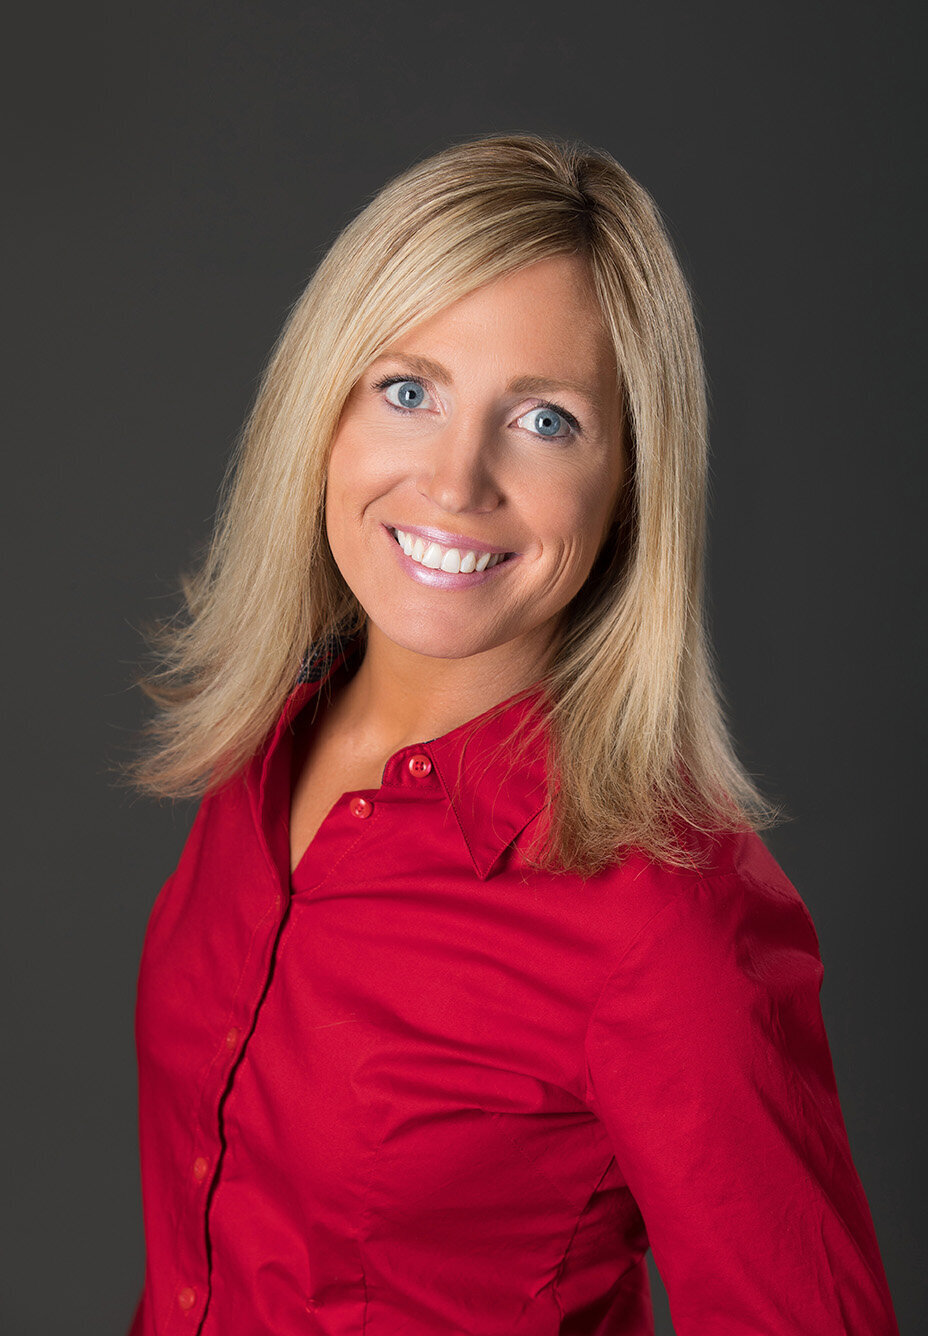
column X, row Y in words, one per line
column 638, row 740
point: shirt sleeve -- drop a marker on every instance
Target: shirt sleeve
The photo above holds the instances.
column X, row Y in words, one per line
column 138, row 1317
column 709, row 1066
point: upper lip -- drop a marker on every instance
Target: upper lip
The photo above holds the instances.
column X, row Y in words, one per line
column 446, row 539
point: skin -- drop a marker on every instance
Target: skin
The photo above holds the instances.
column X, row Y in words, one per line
column 468, row 461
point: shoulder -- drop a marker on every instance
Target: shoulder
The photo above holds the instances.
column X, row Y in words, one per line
column 724, row 973
column 737, row 913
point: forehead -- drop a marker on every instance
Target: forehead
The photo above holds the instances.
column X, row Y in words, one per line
column 542, row 320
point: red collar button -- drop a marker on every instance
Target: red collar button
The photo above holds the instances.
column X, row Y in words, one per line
column 361, row 807
column 419, row 765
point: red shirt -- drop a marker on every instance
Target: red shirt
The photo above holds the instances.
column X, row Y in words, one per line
column 420, row 1088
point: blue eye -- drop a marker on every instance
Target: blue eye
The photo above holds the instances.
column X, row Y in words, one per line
column 547, row 422
column 404, row 393
column 550, row 422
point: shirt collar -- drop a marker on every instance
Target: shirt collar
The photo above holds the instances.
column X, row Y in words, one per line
column 492, row 768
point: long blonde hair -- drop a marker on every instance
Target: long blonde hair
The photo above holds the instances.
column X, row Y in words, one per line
column 638, row 738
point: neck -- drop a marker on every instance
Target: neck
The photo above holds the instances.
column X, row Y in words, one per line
column 398, row 697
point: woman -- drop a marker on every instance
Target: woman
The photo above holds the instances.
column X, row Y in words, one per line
column 475, row 979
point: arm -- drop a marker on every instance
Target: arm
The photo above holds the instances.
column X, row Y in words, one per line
column 709, row 1066
column 138, row 1319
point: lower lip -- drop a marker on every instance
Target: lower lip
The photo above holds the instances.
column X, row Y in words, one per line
column 445, row 579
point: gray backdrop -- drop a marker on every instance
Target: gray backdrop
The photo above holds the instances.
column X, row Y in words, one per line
column 177, row 171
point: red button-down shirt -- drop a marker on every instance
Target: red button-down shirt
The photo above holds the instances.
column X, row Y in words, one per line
column 421, row 1088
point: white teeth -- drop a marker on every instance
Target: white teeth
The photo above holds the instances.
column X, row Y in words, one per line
column 449, row 559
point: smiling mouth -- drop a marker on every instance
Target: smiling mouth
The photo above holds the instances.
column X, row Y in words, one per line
column 453, row 560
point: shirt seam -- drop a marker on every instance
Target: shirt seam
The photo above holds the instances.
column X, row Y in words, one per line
column 329, row 873
column 559, row 1274
column 498, row 1117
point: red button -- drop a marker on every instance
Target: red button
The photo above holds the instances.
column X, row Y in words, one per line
column 231, row 1038
column 419, row 765
column 361, row 807
column 186, row 1298
column 200, row 1168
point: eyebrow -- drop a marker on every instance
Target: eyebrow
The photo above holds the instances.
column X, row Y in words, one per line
column 425, row 366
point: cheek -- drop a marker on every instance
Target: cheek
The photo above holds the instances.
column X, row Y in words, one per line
column 361, row 464
column 347, row 481
column 574, row 512
column 344, row 460
column 341, row 500
column 603, row 501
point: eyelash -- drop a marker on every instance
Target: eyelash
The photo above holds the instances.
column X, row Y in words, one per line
column 569, row 418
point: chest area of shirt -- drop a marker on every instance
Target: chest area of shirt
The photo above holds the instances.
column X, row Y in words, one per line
column 388, row 943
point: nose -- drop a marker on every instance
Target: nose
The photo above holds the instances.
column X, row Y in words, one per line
column 459, row 471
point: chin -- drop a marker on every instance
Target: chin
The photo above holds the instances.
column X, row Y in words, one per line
column 436, row 638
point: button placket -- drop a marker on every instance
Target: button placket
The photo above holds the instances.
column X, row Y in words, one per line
column 186, row 1298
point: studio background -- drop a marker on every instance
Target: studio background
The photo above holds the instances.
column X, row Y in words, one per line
column 176, row 173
